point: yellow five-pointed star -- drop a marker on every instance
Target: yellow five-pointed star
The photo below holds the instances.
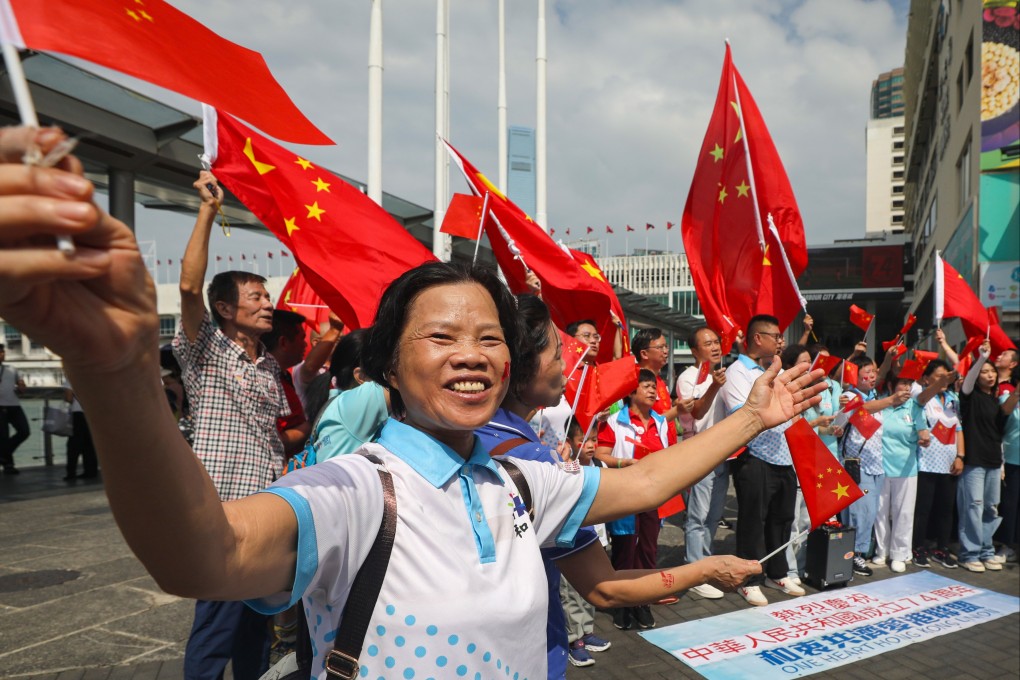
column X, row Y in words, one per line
column 593, row 271
column 314, row 211
column 819, row 485
column 716, row 153
column 742, row 188
column 821, row 476
column 260, row 167
column 306, row 165
column 145, row 15
column 765, row 262
column 722, row 195
column 841, row 491
column 828, row 470
column 321, row 186
column 292, row 226
column 131, row 14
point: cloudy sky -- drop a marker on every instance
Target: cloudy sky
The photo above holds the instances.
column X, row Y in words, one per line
column 631, row 84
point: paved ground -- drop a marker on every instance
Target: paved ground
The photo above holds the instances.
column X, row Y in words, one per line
column 74, row 603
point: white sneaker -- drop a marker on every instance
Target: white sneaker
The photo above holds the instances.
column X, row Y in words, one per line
column 878, row 560
column 794, row 579
column 753, row 596
column 974, row 566
column 708, row 591
column 786, row 585
column 898, row 566
column 992, row 566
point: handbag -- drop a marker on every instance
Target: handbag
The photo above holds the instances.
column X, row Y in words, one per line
column 58, row 421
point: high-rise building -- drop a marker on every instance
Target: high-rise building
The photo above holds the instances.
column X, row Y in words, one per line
column 884, row 140
column 887, row 95
column 962, row 193
column 521, row 171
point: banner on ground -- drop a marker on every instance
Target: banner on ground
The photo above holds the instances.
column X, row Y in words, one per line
column 820, row 632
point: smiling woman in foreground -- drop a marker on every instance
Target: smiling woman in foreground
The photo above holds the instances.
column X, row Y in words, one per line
column 464, row 595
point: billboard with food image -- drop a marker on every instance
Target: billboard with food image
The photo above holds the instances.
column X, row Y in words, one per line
column 1000, row 85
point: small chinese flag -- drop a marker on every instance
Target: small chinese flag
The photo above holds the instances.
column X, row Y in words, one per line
column 672, row 506
column 827, row 487
column 609, row 230
column 219, row 259
column 912, row 370
column 463, row 216
column 849, row 374
column 860, row 318
column 630, row 228
column 703, row 372
column 284, row 253
column 669, row 225
column 728, row 337
column 590, row 230
column 897, row 349
column 648, row 226
column 826, row 362
column 573, row 350
column 269, row 255
column 924, row 358
column 865, row 423
column 911, row 320
column 946, row 435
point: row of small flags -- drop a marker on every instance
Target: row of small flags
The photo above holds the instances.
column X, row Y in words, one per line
column 230, row 258
column 609, row 230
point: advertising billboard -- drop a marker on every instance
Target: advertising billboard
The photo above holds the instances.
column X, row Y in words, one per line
column 1000, row 85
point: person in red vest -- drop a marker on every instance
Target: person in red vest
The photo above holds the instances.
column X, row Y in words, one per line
column 652, row 352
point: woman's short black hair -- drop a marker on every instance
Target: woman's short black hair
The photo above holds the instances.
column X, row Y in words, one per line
column 380, row 354
column 347, row 357
column 790, row 354
column 535, row 321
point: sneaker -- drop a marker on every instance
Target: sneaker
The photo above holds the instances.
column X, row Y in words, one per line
column 12, row 471
column 992, row 566
column 861, row 567
column 578, row 655
column 708, row 591
column 794, row 579
column 669, row 599
column 921, row 558
column 898, row 566
column 621, row 618
column 974, row 566
column 593, row 643
column 643, row 617
column 786, row 585
column 753, row 596
column 1006, row 553
column 944, row 559
column 878, row 560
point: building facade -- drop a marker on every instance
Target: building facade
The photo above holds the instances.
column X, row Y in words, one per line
column 961, row 90
column 885, row 175
column 521, row 167
column 887, row 95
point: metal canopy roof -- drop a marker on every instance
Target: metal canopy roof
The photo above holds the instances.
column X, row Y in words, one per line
column 123, row 130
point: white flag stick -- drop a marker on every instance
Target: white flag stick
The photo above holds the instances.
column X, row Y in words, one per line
column 795, row 539
column 585, row 437
column 26, row 109
column 786, row 263
column 481, row 224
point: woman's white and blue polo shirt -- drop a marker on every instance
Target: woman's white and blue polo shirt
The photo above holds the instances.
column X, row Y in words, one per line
column 464, row 593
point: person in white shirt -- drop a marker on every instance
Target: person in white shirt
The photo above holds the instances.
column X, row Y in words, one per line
column 11, row 414
column 707, row 498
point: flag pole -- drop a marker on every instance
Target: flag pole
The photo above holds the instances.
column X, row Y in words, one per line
column 481, row 224
column 795, row 539
column 747, row 157
column 577, row 396
column 585, row 437
column 26, row 108
column 375, row 102
column 501, row 136
column 786, row 263
column 441, row 242
column 540, row 119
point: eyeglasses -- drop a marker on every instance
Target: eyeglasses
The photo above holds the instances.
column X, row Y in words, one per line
column 778, row 337
column 661, row 348
column 589, row 336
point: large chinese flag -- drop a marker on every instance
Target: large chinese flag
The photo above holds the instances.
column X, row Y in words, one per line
column 735, row 258
column 156, row 42
column 572, row 290
column 347, row 247
column 827, row 487
column 955, row 297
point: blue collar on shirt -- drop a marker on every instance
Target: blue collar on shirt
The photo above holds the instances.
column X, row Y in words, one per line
column 870, row 396
column 749, row 363
column 430, row 458
column 513, row 423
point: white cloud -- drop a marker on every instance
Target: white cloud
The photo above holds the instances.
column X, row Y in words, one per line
column 631, row 86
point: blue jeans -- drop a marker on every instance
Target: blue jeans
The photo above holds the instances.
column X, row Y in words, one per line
column 227, row 631
column 977, row 499
column 705, row 506
column 796, row 553
column 861, row 514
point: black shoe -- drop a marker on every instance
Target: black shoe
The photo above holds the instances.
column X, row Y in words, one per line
column 12, row 471
column 644, row 618
column 861, row 567
column 88, row 475
column 621, row 618
column 70, row 478
column 943, row 558
column 921, row 558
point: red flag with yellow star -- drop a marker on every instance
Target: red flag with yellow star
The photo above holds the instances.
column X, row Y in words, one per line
column 573, row 290
column 827, row 487
column 463, row 215
column 348, row 248
column 736, row 259
column 604, row 384
column 298, row 296
column 152, row 40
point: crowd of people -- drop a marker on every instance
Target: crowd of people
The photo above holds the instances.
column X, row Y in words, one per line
column 265, row 510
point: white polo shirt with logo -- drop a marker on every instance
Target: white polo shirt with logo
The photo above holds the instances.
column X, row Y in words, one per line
column 464, row 594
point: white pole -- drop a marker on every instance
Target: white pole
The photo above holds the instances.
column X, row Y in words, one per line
column 440, row 242
column 375, row 74
column 747, row 160
column 540, row 174
column 501, row 129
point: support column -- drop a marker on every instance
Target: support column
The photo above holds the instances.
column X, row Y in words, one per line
column 540, row 145
column 375, row 74
column 122, row 196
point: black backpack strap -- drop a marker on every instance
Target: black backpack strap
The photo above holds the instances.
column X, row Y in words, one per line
column 520, row 482
column 504, row 447
column 342, row 660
